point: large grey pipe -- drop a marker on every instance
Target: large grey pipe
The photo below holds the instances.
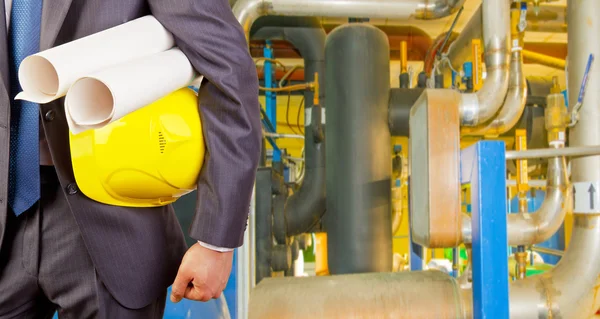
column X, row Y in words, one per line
column 248, row 11
column 307, row 205
column 359, row 164
column 263, row 222
column 401, row 101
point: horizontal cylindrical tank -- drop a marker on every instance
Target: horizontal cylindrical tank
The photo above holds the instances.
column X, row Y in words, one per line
column 426, row 294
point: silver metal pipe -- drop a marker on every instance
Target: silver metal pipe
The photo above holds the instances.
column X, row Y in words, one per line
column 549, row 251
column 532, row 183
column 583, row 41
column 247, row 11
column 480, row 107
column 537, row 227
column 514, row 102
column 424, row 294
column 569, row 290
column 281, row 135
column 566, row 291
column 575, row 151
column 551, row 18
column 533, row 228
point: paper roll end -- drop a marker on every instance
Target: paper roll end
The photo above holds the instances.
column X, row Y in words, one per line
column 39, row 98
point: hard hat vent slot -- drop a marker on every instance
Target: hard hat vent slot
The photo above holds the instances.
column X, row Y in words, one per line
column 162, row 142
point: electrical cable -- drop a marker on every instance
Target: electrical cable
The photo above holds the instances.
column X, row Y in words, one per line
column 298, row 116
column 289, row 73
column 287, row 114
column 295, row 87
column 277, row 62
column 439, row 53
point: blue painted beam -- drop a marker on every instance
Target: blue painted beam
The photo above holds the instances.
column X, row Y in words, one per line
column 271, row 97
column 484, row 166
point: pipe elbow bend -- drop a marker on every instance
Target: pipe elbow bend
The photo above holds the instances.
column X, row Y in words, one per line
column 248, row 11
column 438, row 9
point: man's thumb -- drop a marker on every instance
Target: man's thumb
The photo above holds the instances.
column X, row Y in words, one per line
column 179, row 286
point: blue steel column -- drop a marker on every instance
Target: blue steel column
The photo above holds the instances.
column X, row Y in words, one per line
column 484, row 166
column 271, row 97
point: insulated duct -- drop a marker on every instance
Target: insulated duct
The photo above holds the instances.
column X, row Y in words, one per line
column 358, row 218
column 248, row 11
column 306, row 206
column 401, row 101
column 263, row 220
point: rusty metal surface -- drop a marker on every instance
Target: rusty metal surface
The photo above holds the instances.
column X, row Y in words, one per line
column 436, row 218
column 406, row 295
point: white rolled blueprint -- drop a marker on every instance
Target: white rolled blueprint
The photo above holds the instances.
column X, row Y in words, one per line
column 106, row 96
column 48, row 75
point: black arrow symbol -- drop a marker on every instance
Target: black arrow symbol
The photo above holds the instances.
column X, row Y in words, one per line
column 592, row 191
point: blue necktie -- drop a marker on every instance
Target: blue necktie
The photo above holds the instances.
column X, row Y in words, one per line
column 24, row 164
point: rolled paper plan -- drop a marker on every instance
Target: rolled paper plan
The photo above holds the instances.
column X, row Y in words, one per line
column 48, row 75
column 105, row 96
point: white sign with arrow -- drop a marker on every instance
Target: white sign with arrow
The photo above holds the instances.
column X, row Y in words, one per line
column 586, row 197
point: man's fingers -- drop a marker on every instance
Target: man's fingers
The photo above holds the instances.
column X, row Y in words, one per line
column 199, row 293
column 180, row 286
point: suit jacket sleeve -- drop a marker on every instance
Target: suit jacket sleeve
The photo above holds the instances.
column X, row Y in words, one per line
column 213, row 40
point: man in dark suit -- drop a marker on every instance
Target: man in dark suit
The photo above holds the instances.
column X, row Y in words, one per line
column 59, row 250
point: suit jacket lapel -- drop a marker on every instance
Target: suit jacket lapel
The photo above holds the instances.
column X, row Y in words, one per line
column 4, row 78
column 53, row 16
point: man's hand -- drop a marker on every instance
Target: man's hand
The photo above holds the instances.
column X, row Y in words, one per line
column 202, row 275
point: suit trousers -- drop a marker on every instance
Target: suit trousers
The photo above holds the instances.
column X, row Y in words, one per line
column 45, row 266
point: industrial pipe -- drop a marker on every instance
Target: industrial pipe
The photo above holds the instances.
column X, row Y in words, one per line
column 248, row 11
column 543, row 59
column 537, row 227
column 359, row 160
column 264, row 221
column 401, row 101
column 514, row 102
column 427, row 294
column 550, row 19
column 570, row 289
column 573, row 151
column 533, row 228
column 306, row 206
column 481, row 106
column 548, row 251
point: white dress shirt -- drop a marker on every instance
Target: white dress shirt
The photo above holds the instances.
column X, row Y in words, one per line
column 7, row 7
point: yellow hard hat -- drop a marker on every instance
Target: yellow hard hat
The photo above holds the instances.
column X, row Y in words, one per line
column 150, row 157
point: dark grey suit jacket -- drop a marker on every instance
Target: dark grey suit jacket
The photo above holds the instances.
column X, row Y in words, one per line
column 137, row 252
